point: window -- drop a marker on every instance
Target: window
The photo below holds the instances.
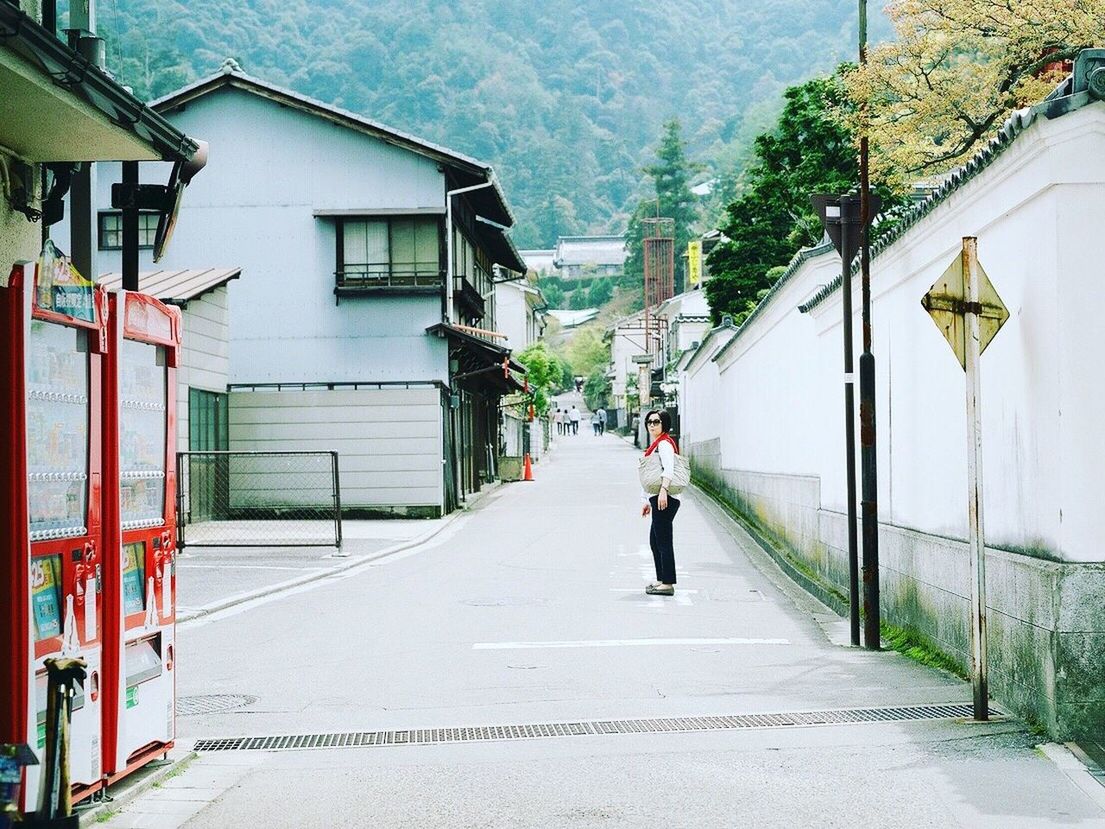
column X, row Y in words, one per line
column 208, row 421
column 111, row 230
column 383, row 252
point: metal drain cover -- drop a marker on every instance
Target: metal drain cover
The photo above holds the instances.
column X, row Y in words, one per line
column 431, row 736
column 211, row 704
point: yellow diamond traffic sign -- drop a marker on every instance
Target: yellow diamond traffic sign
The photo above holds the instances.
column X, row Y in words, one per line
column 948, row 303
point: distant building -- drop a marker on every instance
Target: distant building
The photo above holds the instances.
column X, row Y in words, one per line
column 582, row 256
column 572, row 319
column 539, row 261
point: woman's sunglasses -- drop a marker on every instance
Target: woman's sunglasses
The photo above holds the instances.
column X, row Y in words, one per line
column 653, row 421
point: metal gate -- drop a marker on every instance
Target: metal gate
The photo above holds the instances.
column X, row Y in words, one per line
column 258, row 499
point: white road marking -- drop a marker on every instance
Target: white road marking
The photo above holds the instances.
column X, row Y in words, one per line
column 621, row 643
column 641, row 590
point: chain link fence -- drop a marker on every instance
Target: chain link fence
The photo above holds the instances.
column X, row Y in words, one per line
column 258, row 499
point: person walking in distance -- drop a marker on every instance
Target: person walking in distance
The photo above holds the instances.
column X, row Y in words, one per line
column 595, row 423
column 573, row 417
column 558, row 419
column 602, row 420
column 661, row 506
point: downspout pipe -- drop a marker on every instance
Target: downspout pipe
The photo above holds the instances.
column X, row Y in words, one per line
column 449, row 241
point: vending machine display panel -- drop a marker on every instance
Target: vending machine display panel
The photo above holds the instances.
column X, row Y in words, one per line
column 142, row 391
column 57, row 430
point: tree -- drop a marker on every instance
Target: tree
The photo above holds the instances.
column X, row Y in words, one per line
column 671, row 176
column 543, row 373
column 600, row 292
column 596, row 389
column 956, row 71
column 809, row 151
column 588, row 351
column 553, row 293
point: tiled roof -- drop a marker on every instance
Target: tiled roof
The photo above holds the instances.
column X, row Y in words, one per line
column 1056, row 105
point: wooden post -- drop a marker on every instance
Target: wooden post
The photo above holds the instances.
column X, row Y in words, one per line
column 974, row 480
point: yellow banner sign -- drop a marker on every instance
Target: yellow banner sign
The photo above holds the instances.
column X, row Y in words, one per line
column 694, row 262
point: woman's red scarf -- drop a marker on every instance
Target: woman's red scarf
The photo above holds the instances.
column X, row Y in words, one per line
column 655, row 443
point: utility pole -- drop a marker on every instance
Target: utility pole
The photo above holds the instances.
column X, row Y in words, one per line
column 869, row 508
column 840, row 216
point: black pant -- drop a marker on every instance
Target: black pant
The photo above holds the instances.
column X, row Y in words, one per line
column 659, row 538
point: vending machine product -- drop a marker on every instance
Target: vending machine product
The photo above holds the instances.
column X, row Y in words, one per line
column 139, row 530
column 54, row 338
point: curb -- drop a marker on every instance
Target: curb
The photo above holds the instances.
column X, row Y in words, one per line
column 133, row 785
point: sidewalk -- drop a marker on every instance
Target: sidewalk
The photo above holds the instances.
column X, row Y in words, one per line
column 511, row 672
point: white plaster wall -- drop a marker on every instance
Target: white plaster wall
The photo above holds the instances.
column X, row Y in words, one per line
column 1036, row 211
column 701, row 418
column 510, row 315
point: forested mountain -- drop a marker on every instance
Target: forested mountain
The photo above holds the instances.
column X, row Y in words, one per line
column 564, row 97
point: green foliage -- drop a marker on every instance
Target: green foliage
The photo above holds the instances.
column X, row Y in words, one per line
column 596, row 389
column 579, row 300
column 671, row 176
column 588, row 351
column 916, row 647
column 562, row 97
column 554, row 294
column 544, row 373
column 807, row 152
column 600, row 292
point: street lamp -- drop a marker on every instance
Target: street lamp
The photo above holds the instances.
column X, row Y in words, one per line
column 841, row 217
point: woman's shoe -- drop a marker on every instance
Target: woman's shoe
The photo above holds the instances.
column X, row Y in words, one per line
column 657, row 590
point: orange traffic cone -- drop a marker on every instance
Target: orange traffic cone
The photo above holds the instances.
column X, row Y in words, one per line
column 527, row 469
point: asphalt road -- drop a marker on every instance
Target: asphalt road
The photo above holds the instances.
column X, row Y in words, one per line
column 530, row 609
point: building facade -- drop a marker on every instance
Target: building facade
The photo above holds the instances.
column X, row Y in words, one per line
column 365, row 321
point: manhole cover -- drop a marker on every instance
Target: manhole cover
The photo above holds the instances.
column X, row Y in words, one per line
column 211, row 704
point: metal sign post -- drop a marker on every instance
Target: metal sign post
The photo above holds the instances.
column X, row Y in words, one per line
column 969, row 312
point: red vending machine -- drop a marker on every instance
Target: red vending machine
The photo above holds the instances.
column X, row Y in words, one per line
column 140, row 530
column 53, row 333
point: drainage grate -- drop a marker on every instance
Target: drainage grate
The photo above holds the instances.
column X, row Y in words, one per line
column 437, row 736
column 211, row 703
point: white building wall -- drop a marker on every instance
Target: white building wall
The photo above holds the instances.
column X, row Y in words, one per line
column 511, row 311
column 256, row 210
column 1044, row 464
column 204, row 357
column 389, row 440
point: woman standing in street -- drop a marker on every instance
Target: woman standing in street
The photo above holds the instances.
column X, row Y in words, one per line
column 661, row 506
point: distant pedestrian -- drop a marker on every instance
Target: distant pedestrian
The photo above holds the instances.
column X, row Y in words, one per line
column 558, row 419
column 602, row 420
column 573, row 418
column 596, row 423
column 662, row 506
